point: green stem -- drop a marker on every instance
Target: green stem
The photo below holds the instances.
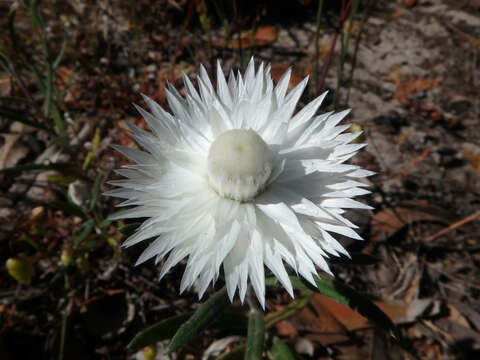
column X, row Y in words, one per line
column 316, row 56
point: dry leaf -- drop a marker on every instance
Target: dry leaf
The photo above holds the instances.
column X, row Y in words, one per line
column 277, row 71
column 391, row 220
column 472, row 154
column 5, row 84
column 413, row 85
column 329, row 322
column 456, row 317
column 410, row 3
column 11, row 152
column 409, row 88
column 263, row 36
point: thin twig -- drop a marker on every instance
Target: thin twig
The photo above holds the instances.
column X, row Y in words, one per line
column 454, row 226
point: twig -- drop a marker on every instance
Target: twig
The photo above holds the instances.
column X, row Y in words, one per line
column 415, row 162
column 453, row 226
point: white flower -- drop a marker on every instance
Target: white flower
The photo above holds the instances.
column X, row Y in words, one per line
column 233, row 177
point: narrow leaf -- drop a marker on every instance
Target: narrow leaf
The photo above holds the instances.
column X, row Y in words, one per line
column 288, row 311
column 95, row 191
column 256, row 336
column 21, row 116
column 162, row 330
column 87, row 230
column 30, row 241
column 207, row 312
column 279, row 350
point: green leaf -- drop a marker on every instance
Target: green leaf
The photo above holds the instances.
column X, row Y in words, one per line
column 256, row 336
column 162, row 330
column 95, row 191
column 279, row 350
column 207, row 312
column 105, row 224
column 290, row 310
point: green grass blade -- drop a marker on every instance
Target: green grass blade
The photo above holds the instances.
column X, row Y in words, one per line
column 95, row 191
column 59, row 57
column 22, row 116
column 28, row 239
column 63, row 331
column 87, row 230
column 256, row 336
column 207, row 312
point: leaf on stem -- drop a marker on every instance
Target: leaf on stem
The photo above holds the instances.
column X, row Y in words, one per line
column 207, row 312
column 162, row 330
column 279, row 350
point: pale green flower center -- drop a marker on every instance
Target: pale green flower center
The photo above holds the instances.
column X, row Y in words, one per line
column 239, row 164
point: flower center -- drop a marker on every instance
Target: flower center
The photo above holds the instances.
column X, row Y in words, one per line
column 239, row 164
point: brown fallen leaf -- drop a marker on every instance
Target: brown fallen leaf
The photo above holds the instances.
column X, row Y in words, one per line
column 409, row 88
column 389, row 221
column 5, row 84
column 277, row 71
column 263, row 36
column 457, row 317
column 410, row 3
column 329, row 322
column 11, row 151
column 471, row 152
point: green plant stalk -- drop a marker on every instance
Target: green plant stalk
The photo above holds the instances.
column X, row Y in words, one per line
column 256, row 335
column 315, row 58
column 355, row 51
column 344, row 49
column 63, row 331
column 223, row 18
column 205, row 22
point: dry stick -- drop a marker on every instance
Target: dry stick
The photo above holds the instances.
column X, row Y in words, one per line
column 453, row 226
